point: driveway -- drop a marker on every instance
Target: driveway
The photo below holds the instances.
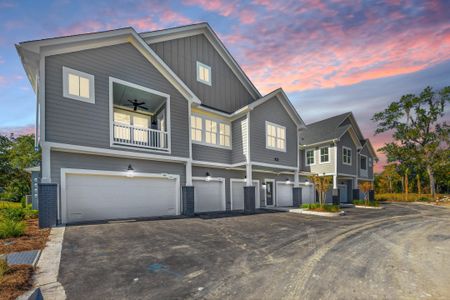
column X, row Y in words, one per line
column 400, row 252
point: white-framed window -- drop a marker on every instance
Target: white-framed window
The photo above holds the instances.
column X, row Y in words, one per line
column 135, row 124
column 309, row 157
column 346, row 156
column 224, row 135
column 210, row 132
column 78, row 85
column 204, row 73
column 324, row 155
column 363, row 162
column 275, row 137
column 196, row 128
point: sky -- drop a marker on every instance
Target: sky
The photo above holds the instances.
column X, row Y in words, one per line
column 329, row 56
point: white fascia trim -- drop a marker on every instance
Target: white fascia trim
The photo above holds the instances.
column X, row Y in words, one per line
column 364, row 179
column 318, row 143
column 200, row 178
column 261, row 164
column 370, row 147
column 354, row 124
column 347, row 175
column 112, row 152
column 202, row 163
column 354, row 137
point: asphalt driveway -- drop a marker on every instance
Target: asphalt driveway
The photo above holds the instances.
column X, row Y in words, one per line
column 400, row 252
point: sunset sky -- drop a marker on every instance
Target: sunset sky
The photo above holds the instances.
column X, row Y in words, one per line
column 329, row 56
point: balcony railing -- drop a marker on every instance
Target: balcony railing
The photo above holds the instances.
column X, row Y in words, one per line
column 140, row 137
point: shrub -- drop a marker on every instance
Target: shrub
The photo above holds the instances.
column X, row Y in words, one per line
column 424, row 199
column 362, row 202
column 3, row 267
column 11, row 228
column 31, row 213
column 13, row 213
column 326, row 207
column 23, row 202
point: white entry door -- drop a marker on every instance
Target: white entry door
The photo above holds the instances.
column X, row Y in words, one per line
column 209, row 195
column 237, row 193
column 284, row 194
column 343, row 193
column 99, row 195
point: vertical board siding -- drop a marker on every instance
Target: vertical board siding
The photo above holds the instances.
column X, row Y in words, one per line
column 239, row 136
column 226, row 93
column 213, row 154
column 347, row 141
column 272, row 111
column 366, row 152
column 75, row 122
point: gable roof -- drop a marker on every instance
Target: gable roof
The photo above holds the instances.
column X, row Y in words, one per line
column 368, row 144
column 157, row 36
column 328, row 130
column 30, row 53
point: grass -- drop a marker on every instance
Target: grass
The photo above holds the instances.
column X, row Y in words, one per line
column 324, row 208
column 7, row 204
column 363, row 203
column 399, row 197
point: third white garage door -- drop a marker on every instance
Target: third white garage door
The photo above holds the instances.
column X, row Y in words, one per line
column 284, row 194
column 237, row 194
column 209, row 195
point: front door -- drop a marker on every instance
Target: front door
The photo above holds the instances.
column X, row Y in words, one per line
column 269, row 193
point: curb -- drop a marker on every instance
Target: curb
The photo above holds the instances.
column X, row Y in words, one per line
column 370, row 207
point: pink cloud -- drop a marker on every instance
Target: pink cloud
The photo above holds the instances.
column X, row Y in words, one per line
column 17, row 131
column 84, row 27
column 247, row 16
column 143, row 24
column 2, row 61
column 224, row 8
column 170, row 16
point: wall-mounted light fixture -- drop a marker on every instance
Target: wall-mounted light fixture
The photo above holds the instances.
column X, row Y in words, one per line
column 130, row 171
column 208, row 176
column 288, row 181
column 264, row 185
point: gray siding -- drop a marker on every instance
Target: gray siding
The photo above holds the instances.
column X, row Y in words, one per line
column 105, row 163
column 347, row 141
column 366, row 152
column 214, row 154
column 237, row 154
column 76, row 122
column 272, row 111
column 318, row 167
column 226, row 92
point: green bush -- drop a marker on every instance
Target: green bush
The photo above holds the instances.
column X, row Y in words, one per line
column 31, row 213
column 424, row 199
column 13, row 213
column 363, row 202
column 11, row 228
column 23, row 202
column 326, row 207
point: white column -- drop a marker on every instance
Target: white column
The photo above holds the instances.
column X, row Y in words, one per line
column 189, row 173
column 334, row 181
column 335, row 166
column 248, row 173
column 46, row 172
column 296, row 179
column 355, row 183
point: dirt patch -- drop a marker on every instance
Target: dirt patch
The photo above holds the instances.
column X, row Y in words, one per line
column 33, row 239
column 16, row 281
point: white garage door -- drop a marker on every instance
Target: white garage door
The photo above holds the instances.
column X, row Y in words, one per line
column 101, row 197
column 237, row 194
column 209, row 195
column 307, row 194
column 284, row 194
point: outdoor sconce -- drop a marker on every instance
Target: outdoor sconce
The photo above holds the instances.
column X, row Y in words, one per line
column 288, row 181
column 130, row 171
column 264, row 186
column 208, row 176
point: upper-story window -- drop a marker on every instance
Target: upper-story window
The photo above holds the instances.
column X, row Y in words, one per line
column 346, row 156
column 78, row 85
column 210, row 132
column 203, row 73
column 275, row 137
column 324, row 155
column 363, row 162
column 309, row 157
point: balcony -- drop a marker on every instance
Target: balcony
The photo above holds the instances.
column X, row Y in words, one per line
column 129, row 135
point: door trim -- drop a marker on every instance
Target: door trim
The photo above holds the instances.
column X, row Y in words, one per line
column 68, row 171
column 273, row 192
column 243, row 180
column 220, row 179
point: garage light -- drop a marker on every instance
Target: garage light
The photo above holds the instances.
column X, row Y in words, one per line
column 130, row 171
column 208, row 177
column 264, row 185
column 288, row 181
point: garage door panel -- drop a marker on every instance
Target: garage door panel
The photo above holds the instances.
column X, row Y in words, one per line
column 98, row 197
column 307, row 194
column 209, row 196
column 284, row 194
column 237, row 195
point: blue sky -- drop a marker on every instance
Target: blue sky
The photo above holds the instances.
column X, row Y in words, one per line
column 329, row 56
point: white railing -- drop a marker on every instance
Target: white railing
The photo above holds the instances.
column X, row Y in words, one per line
column 140, row 137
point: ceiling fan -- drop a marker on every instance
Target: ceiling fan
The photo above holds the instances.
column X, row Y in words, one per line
column 136, row 104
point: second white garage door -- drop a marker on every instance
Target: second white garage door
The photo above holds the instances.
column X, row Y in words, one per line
column 237, row 194
column 98, row 195
column 209, row 195
column 284, row 194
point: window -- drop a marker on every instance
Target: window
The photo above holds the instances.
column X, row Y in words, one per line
column 196, row 128
column 346, row 156
column 363, row 162
column 203, row 73
column 275, row 137
column 210, row 132
column 128, row 125
column 224, row 135
column 309, row 157
column 78, row 85
column 324, row 155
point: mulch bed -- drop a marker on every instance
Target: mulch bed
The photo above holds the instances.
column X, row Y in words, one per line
column 33, row 239
column 16, row 281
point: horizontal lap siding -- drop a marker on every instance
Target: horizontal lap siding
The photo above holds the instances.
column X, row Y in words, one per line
column 347, row 141
column 75, row 122
column 226, row 92
column 366, row 152
column 318, row 167
column 212, row 154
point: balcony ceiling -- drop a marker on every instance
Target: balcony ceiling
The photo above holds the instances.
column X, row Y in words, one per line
column 123, row 93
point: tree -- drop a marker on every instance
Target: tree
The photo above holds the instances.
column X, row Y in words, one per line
column 365, row 188
column 322, row 184
column 417, row 131
column 389, row 178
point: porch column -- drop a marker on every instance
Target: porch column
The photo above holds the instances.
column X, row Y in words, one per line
column 248, row 174
column 296, row 179
column 355, row 189
column 45, row 169
column 334, row 181
column 189, row 173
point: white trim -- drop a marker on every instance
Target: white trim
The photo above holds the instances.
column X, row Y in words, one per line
column 220, row 179
column 113, row 80
column 46, row 176
column 284, row 183
column 306, row 157
column 257, row 190
column 113, row 152
column 318, row 143
column 353, row 136
column 348, row 175
column 273, row 192
column 277, row 126
column 261, row 164
column 201, row 163
column 320, row 155
column 66, row 71
column 66, row 171
column 202, row 65
column 351, row 155
column 41, row 98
